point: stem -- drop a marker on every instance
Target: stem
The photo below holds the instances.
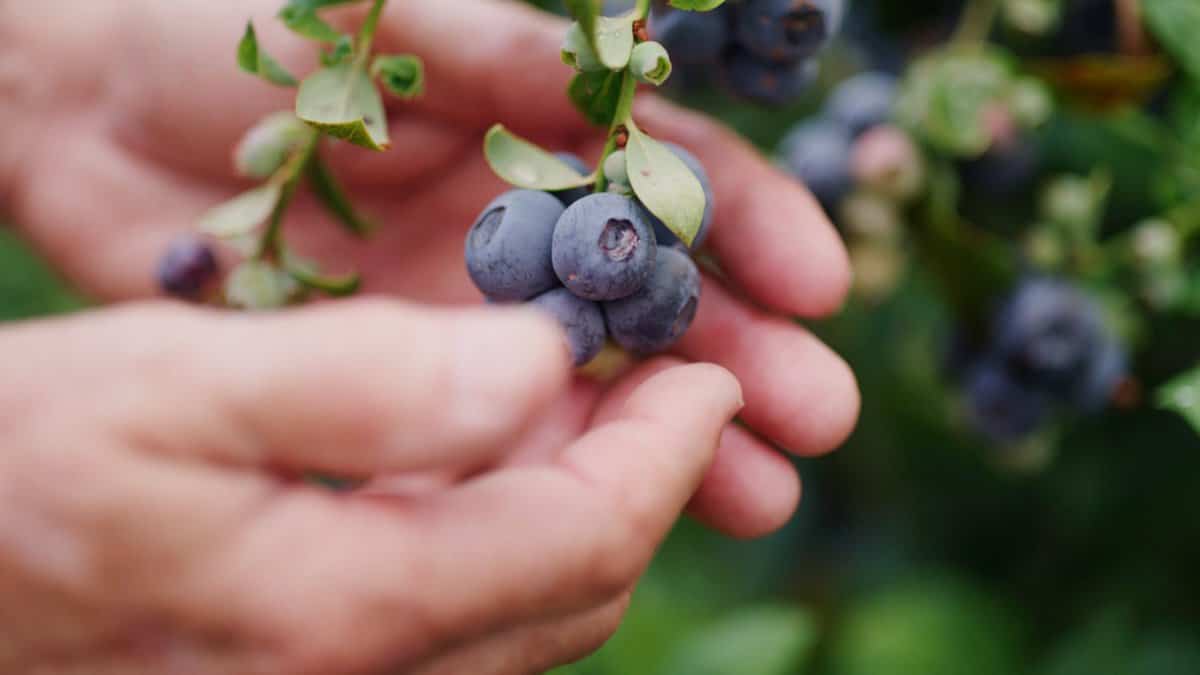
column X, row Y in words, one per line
column 366, row 37
column 622, row 116
column 291, row 174
column 976, row 22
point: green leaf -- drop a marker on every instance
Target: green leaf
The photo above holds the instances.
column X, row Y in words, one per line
column 341, row 51
column 525, row 165
column 596, row 95
column 343, row 102
column 697, row 5
column 1176, row 23
column 252, row 59
column 767, row 640
column 243, row 214
column 665, row 185
column 614, row 40
column 301, row 17
column 308, row 273
column 331, row 194
column 1182, row 395
column 403, row 75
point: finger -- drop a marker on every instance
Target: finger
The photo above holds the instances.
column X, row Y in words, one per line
column 749, row 491
column 799, row 393
column 535, row 648
column 771, row 235
column 354, row 389
column 404, row 580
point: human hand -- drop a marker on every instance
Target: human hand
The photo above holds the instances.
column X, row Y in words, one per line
column 146, row 524
column 128, row 115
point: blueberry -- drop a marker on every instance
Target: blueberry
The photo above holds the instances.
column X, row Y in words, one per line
column 769, row 84
column 818, row 153
column 508, row 247
column 655, row 317
column 572, row 195
column 862, row 102
column 1051, row 336
column 188, row 268
column 664, row 236
column 781, row 31
column 999, row 407
column 582, row 319
column 691, row 37
column 604, row 247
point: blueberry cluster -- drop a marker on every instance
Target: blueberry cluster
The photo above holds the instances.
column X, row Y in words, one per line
column 764, row 48
column 851, row 142
column 600, row 263
column 1049, row 348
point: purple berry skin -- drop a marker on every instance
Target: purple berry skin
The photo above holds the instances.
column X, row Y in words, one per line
column 1052, row 338
column 862, row 102
column 654, row 318
column 769, row 84
column 692, row 38
column 572, row 195
column 664, row 236
column 781, row 31
column 188, row 267
column 508, row 247
column 999, row 408
column 604, row 247
column 818, row 153
column 582, row 320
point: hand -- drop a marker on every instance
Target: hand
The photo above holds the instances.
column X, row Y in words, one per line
column 145, row 526
column 128, row 110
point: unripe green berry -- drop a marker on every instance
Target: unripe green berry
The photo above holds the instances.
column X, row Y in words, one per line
column 615, row 170
column 257, row 285
column 577, row 52
column 266, row 147
column 650, row 63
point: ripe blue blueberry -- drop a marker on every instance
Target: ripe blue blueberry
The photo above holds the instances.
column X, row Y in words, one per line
column 999, row 407
column 604, row 247
column 664, row 236
column 818, row 153
column 654, row 318
column 188, row 268
column 766, row 83
column 572, row 195
column 863, row 101
column 781, row 31
column 508, row 247
column 691, row 37
column 1051, row 336
column 582, row 319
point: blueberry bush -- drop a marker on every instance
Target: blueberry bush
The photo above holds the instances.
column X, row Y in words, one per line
column 1017, row 181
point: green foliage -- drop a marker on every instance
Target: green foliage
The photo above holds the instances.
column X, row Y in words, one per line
column 333, row 197
column 342, row 101
column 403, row 75
column 253, row 59
column 525, row 165
column 665, row 185
column 28, row 287
column 764, row 640
column 1183, row 396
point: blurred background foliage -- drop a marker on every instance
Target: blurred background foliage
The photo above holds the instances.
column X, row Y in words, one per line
column 920, row 549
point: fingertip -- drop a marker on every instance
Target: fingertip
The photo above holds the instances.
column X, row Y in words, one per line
column 712, row 391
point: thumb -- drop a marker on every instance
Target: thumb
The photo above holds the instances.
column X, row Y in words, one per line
column 352, row 389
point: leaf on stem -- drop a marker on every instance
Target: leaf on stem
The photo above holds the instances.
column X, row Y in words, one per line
column 334, row 198
column 697, row 5
column 665, row 185
column 403, row 74
column 525, row 165
column 596, row 94
column 301, row 17
column 243, row 214
column 343, row 102
column 1182, row 395
column 252, row 59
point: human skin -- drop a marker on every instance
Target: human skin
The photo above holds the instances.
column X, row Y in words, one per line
column 148, row 521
